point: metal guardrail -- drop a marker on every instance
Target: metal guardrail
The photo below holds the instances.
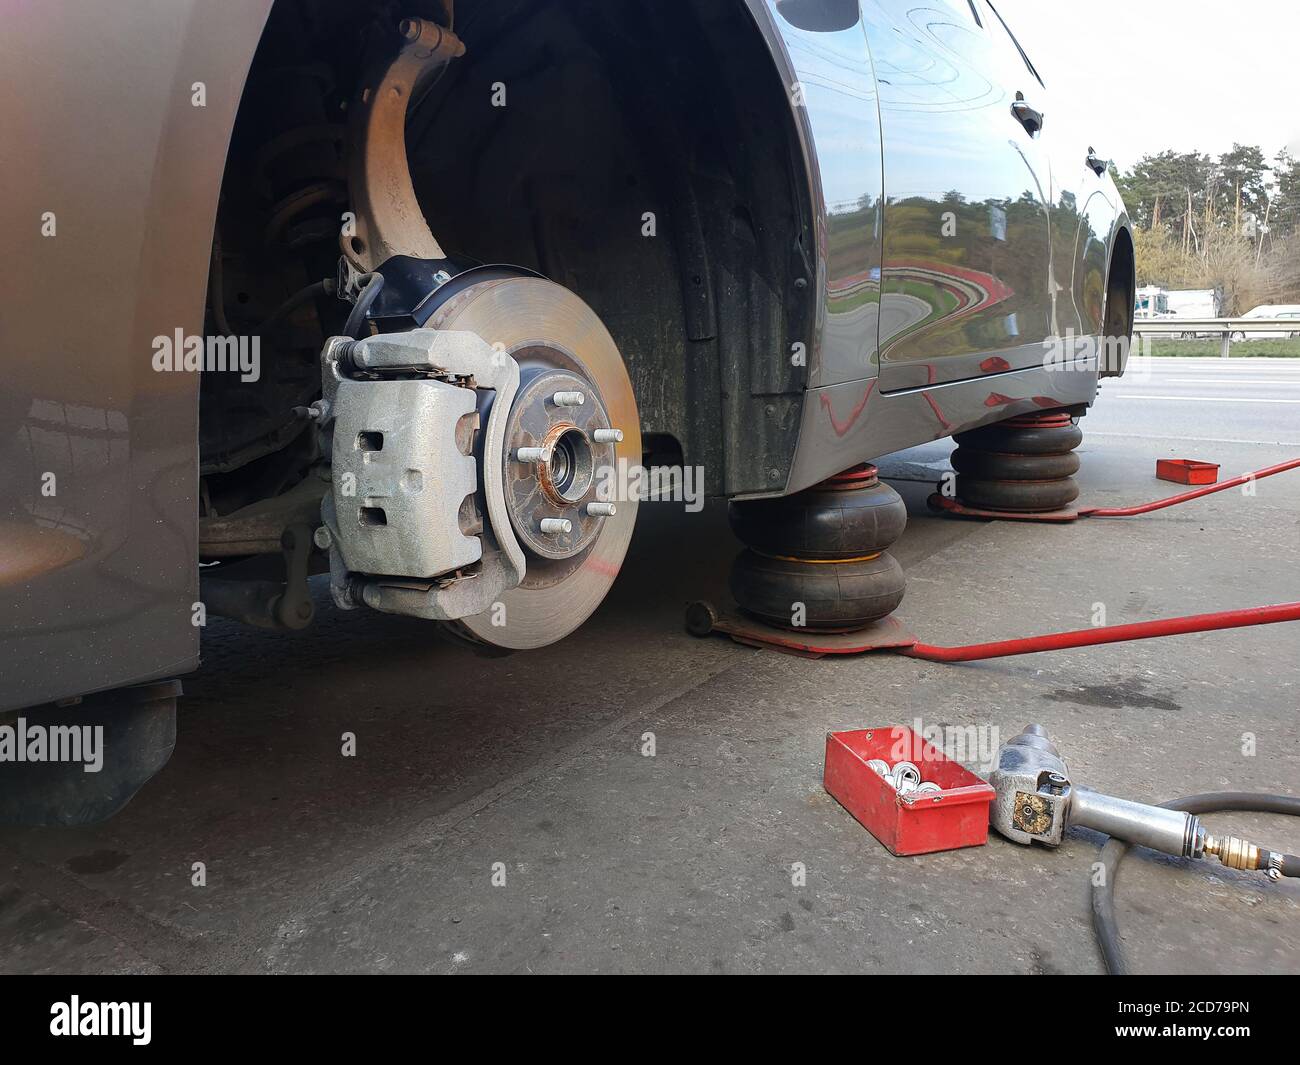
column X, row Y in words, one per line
column 1228, row 329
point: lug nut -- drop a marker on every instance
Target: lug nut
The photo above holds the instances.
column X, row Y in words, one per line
column 904, row 778
column 601, row 510
column 556, row 526
column 568, row 399
column 533, row 454
column 608, row 436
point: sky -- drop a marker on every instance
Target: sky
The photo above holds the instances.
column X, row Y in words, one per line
column 1146, row 75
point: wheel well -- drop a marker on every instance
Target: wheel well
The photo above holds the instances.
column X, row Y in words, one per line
column 1121, row 291
column 1121, row 285
column 642, row 155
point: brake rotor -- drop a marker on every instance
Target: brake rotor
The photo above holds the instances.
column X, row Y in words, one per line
column 569, row 453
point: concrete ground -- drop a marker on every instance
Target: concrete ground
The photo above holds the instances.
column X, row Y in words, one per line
column 530, row 767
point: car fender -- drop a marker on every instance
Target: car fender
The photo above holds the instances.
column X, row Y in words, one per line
column 115, row 135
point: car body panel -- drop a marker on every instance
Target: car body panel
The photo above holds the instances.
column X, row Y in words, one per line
column 854, row 422
column 98, row 458
column 853, row 412
column 820, row 47
column 966, row 285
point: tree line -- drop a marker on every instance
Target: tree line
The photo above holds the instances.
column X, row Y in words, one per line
column 1230, row 222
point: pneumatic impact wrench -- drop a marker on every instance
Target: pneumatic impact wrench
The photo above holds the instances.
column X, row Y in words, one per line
column 1036, row 800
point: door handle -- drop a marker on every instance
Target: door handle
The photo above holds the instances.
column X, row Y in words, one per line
column 1029, row 118
column 1096, row 162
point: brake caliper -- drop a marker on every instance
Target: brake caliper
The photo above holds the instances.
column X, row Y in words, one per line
column 410, row 526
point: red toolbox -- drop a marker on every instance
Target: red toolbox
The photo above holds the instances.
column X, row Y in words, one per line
column 1187, row 471
column 956, row 816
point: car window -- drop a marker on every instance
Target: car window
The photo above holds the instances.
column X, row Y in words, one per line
column 1015, row 43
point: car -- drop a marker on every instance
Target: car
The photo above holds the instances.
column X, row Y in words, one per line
column 1271, row 310
column 422, row 297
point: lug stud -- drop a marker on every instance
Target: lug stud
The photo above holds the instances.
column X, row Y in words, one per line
column 556, row 526
column 601, row 510
column 568, row 399
column 607, row 436
column 533, row 454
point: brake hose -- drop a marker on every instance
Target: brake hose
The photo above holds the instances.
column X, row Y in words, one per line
column 1103, row 893
column 281, row 314
column 372, row 284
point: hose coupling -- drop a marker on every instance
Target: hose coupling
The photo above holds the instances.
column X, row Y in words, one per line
column 1233, row 852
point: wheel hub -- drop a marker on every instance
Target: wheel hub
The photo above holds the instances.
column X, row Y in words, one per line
column 554, row 464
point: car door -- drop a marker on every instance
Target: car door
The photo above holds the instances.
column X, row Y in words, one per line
column 965, row 276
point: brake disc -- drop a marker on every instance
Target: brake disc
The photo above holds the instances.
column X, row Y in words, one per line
column 574, row 403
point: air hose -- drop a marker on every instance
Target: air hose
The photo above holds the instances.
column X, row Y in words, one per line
column 1103, row 893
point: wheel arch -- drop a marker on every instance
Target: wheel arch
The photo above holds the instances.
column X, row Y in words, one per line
column 1121, row 291
column 618, row 116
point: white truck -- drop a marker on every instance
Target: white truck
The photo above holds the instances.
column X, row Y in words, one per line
column 1154, row 302
column 1195, row 303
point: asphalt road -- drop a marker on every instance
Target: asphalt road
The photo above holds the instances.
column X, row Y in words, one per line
column 504, row 814
column 1218, row 400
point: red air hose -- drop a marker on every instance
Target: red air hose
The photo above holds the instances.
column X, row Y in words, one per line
column 1142, row 630
column 1196, row 493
